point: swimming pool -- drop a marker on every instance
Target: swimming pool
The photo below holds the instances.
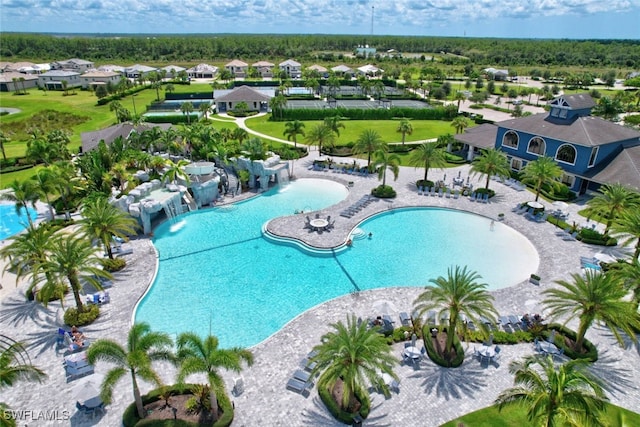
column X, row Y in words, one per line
column 10, row 222
column 217, row 272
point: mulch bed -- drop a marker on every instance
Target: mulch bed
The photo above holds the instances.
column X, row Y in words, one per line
column 439, row 343
column 159, row 411
column 336, row 393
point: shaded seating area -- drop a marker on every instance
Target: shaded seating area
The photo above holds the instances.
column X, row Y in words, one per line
column 76, row 366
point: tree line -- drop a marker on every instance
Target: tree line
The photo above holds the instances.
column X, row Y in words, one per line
column 454, row 50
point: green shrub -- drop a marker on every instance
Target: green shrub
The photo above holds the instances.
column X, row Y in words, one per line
column 489, row 191
column 594, row 237
column 324, row 391
column 113, row 265
column 384, row 192
column 561, row 332
column 425, row 184
column 73, row 318
column 454, row 158
column 433, row 354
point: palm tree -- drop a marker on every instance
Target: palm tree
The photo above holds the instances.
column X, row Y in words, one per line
column 101, row 220
column 385, row 160
column 458, row 293
column 240, row 135
column 628, row 273
column 612, row 201
column 369, row 142
column 427, row 155
column 23, row 194
column 278, row 103
column 405, row 128
column 459, row 96
column 4, row 139
column 628, row 227
column 292, row 130
column 143, row 348
column 45, row 184
column 355, row 355
column 589, row 297
column 541, row 171
column 321, row 135
column 204, row 109
column 565, row 394
column 491, row 162
column 203, row 356
column 333, row 122
column 460, row 123
column 73, row 258
column 187, row 108
column 15, row 366
column 68, row 183
column 173, row 171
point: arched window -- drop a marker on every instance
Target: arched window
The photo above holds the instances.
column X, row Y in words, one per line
column 566, row 153
column 537, row 146
column 510, row 139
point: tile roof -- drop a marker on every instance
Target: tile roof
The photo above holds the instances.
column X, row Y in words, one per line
column 236, row 63
column 60, row 73
column 175, row 68
column 317, row 67
column 624, row 168
column 588, row 131
column 290, row 62
column 141, row 68
column 483, row 136
column 10, row 75
column 200, row 68
column 243, row 93
column 98, row 73
column 90, row 140
column 262, row 64
column 576, row 101
column 342, row 69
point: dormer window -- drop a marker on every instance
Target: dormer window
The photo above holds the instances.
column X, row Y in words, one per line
column 510, row 139
column 563, row 114
column 566, row 153
column 555, row 112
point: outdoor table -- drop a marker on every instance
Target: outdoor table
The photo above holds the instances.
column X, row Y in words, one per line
column 487, row 351
column 536, row 206
column 412, row 352
column 319, row 223
column 547, row 347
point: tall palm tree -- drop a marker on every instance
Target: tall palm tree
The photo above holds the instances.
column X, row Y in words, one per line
column 22, row 194
column 173, row 171
column 45, row 184
column 628, row 273
column 4, row 139
column 459, row 96
column 15, row 366
column 73, row 258
column 333, row 122
column 404, row 128
column 187, row 108
column 321, row 135
column 203, row 356
column 354, row 354
column 460, row 123
column 590, row 297
column 427, row 155
column 292, row 130
column 277, row 104
column 491, row 162
column 240, row 135
column 369, row 141
column 565, row 394
column 385, row 160
column 143, row 348
column 627, row 227
column 101, row 220
column 612, row 200
column 541, row 171
column 69, row 184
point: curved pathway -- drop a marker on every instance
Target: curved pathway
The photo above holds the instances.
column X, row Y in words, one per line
column 430, row 394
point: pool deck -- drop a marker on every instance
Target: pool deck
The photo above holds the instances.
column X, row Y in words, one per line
column 429, row 394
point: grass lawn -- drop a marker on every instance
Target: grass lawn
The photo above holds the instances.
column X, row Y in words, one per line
column 516, row 416
column 422, row 129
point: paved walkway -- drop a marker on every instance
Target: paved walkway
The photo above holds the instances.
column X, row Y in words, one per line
column 429, row 394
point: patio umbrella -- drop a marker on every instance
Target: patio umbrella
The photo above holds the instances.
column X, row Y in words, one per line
column 384, row 307
column 87, row 392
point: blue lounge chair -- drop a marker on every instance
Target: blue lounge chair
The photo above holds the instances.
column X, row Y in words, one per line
column 298, row 386
column 405, row 319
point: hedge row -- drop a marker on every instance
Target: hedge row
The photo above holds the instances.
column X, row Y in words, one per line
column 173, row 119
column 130, row 415
column 437, row 113
column 324, row 391
column 117, row 96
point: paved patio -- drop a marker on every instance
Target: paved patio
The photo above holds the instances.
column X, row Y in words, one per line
column 430, row 394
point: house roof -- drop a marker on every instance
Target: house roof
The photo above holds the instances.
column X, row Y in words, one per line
column 141, row 68
column 90, row 140
column 175, row 68
column 496, row 71
column 317, row 67
column 588, row 131
column 243, row 93
column 236, row 63
column 576, row 101
column 10, row 75
column 60, row 73
column 203, row 68
column 342, row 69
column 17, row 65
column 483, row 136
column 262, row 64
column 290, row 63
column 624, row 168
column 116, row 68
column 97, row 73
column 76, row 61
column 366, row 69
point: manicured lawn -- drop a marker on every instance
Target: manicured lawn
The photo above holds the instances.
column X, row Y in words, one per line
column 7, row 178
column 515, row 416
column 422, row 129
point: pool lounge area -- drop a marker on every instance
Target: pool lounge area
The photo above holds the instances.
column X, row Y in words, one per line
column 431, row 394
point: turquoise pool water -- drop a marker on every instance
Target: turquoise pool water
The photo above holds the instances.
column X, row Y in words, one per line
column 217, row 272
column 10, row 222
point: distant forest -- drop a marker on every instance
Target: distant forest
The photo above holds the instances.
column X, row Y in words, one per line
column 451, row 50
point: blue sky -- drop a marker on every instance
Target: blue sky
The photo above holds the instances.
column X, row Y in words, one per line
column 576, row 19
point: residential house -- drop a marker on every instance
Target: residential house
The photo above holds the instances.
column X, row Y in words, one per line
column 75, row 64
column 257, row 99
column 115, row 68
column 495, row 74
column 172, row 71
column 53, row 80
column 137, row 70
column 343, row 70
column 370, row 70
column 237, row 68
column 90, row 140
column 95, row 78
column 322, row 71
column 20, row 67
column 202, row 71
column 264, row 69
column 292, row 68
column 12, row 81
column 591, row 151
